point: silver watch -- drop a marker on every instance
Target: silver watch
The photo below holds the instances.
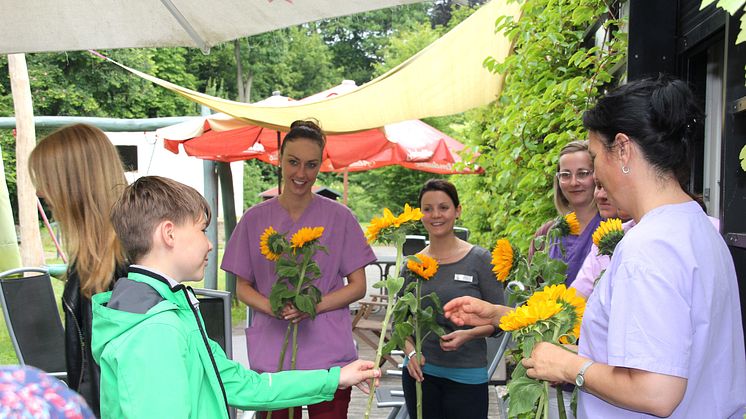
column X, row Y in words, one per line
column 580, row 378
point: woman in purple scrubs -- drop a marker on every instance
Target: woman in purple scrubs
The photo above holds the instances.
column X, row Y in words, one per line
column 662, row 332
column 325, row 341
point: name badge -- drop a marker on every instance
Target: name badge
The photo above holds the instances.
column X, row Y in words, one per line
column 463, row 278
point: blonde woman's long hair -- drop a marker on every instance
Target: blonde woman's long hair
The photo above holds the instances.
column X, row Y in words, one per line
column 78, row 172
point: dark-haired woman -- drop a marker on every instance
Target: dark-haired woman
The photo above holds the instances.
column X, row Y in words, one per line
column 662, row 333
column 326, row 341
column 453, row 368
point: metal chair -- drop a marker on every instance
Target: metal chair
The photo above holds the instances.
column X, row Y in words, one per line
column 462, row 233
column 414, row 244
column 33, row 320
column 215, row 307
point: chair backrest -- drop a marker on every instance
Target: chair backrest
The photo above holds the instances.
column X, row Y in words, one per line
column 496, row 348
column 413, row 244
column 462, row 233
column 33, row 319
column 215, row 307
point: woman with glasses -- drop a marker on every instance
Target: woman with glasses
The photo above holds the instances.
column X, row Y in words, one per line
column 573, row 192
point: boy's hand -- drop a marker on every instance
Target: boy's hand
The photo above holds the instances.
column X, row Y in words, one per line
column 358, row 373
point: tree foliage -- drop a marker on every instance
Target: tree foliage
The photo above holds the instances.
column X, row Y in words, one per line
column 552, row 77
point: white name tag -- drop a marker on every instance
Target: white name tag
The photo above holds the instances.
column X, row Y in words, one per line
column 462, row 278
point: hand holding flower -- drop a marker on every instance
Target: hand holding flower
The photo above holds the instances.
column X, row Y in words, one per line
column 552, row 363
column 415, row 368
column 358, row 373
column 292, row 314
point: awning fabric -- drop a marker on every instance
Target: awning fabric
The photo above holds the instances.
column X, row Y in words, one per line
column 72, row 25
column 445, row 78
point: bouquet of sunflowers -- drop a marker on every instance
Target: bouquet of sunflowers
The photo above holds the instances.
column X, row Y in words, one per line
column 296, row 270
column 554, row 315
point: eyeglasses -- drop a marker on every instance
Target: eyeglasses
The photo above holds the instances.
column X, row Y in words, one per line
column 581, row 175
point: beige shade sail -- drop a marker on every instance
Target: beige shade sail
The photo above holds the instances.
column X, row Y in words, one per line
column 445, row 78
column 72, row 25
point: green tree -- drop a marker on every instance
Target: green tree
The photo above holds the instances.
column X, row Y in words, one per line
column 552, row 77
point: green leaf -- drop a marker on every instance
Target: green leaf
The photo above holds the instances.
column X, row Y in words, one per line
column 379, row 284
column 287, row 271
column 524, row 394
column 393, row 285
column 305, row 304
column 403, row 330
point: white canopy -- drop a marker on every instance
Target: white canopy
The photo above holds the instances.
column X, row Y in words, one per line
column 71, row 25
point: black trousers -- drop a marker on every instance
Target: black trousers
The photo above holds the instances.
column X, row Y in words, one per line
column 446, row 399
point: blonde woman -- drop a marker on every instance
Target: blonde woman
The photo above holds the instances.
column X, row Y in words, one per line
column 77, row 171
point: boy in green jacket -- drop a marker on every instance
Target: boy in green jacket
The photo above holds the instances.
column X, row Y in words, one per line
column 148, row 335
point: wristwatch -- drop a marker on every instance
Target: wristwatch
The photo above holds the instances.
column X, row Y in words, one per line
column 580, row 378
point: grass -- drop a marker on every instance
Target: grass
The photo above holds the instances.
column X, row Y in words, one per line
column 7, row 353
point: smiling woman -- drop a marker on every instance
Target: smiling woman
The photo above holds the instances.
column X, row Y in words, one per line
column 325, row 341
column 573, row 193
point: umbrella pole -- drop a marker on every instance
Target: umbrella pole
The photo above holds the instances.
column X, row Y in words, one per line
column 279, row 167
column 346, row 183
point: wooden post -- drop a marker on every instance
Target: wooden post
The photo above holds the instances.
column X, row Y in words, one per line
column 346, row 183
column 32, row 253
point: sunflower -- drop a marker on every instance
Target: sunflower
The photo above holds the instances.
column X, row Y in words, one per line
column 572, row 303
column 409, row 214
column 425, row 269
column 529, row 314
column 378, row 224
column 572, row 222
column 264, row 244
column 305, row 235
column 607, row 235
column 503, row 259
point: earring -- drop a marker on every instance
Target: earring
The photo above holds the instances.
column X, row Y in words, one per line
column 625, row 170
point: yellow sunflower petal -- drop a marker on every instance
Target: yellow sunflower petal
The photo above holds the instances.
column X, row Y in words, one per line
column 264, row 244
column 573, row 223
column 305, row 235
column 502, row 259
column 427, row 267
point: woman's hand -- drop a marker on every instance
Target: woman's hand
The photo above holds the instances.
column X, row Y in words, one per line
column 473, row 312
column 415, row 369
column 452, row 341
column 550, row 362
column 292, row 314
column 358, row 373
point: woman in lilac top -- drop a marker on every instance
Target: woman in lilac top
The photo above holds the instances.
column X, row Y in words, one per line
column 573, row 192
column 662, row 332
column 325, row 341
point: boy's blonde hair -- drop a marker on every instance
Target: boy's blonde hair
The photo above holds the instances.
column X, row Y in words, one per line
column 78, row 172
column 146, row 203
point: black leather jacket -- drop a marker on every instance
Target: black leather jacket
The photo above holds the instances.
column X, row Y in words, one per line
column 83, row 374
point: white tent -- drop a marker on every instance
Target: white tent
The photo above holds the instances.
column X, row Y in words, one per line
column 72, row 25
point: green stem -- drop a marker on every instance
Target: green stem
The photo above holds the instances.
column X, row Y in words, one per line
column 540, row 407
column 561, row 403
column 418, row 347
column 282, row 356
column 546, row 397
column 384, row 327
column 301, row 277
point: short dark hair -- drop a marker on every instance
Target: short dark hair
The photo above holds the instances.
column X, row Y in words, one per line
column 658, row 113
column 440, row 185
column 305, row 129
column 147, row 202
